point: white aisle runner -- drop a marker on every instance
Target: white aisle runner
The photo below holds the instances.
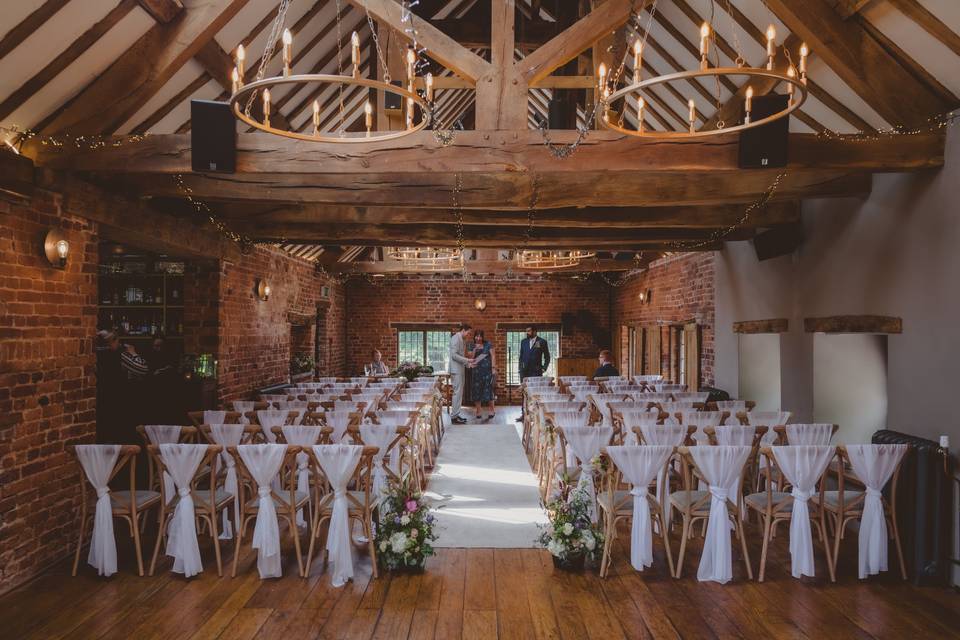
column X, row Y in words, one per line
column 484, row 489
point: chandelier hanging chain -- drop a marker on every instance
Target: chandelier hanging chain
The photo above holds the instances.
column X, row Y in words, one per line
column 376, row 43
column 269, row 48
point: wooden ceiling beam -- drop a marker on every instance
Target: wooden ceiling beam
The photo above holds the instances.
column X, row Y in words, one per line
column 847, row 8
column 217, row 63
column 576, row 38
column 18, row 97
column 142, row 70
column 163, row 11
column 929, row 23
column 473, row 33
column 492, row 152
column 775, row 213
column 503, row 190
column 860, row 61
column 439, row 45
column 36, row 19
column 493, row 266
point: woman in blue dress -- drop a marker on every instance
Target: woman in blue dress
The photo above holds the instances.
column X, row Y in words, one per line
column 483, row 375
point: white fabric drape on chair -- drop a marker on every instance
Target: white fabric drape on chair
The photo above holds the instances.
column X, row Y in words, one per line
column 164, row 434
column 586, row 443
column 802, row 466
column 640, row 465
column 338, row 462
column 338, row 421
column 874, row 464
column 720, row 466
column 380, row 436
column 98, row 461
column 669, row 435
column 263, row 461
column 214, row 417
column 228, row 435
column 270, row 418
column 243, row 407
column 306, row 437
column 810, row 434
column 183, row 460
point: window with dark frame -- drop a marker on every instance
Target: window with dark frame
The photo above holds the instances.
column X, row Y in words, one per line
column 430, row 347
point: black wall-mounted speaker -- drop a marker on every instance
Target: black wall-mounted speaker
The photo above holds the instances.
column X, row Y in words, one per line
column 766, row 146
column 393, row 101
column 778, row 241
column 213, row 137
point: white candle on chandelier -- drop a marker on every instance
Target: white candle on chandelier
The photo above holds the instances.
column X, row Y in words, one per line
column 692, row 116
column 637, row 59
column 235, row 79
column 771, row 46
column 409, row 113
column 411, row 61
column 287, row 51
column 316, row 117
column 428, row 83
column 640, row 106
column 804, row 52
column 791, row 73
column 748, row 105
column 601, row 76
column 266, row 107
column 355, row 54
column 704, row 44
column 368, row 116
column 241, row 56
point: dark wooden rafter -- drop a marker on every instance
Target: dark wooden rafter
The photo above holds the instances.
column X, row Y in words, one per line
column 109, row 101
column 89, row 37
column 773, row 325
column 853, row 324
column 163, row 11
column 12, row 39
column 860, row 61
column 929, row 23
column 847, row 8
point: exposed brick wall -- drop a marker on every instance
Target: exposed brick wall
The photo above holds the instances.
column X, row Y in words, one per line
column 254, row 338
column 682, row 289
column 201, row 304
column 448, row 299
column 332, row 333
column 47, row 381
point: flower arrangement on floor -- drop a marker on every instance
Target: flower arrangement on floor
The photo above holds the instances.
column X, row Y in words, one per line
column 411, row 370
column 301, row 363
column 404, row 530
column 571, row 536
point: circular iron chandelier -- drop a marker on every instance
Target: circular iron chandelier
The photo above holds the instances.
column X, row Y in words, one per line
column 427, row 258
column 795, row 80
column 551, row 258
column 416, row 106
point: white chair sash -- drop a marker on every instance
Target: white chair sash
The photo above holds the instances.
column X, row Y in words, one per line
column 164, row 434
column 214, row 417
column 802, row 466
column 228, row 435
column 183, row 460
column 810, row 434
column 263, row 461
column 243, row 407
column 586, row 443
column 379, row 436
column 874, row 464
column 303, row 436
column 98, row 461
column 338, row 462
column 720, row 466
column 270, row 418
column 338, row 421
column 669, row 435
column 640, row 465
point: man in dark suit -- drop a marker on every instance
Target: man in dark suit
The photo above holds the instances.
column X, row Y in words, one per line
column 534, row 357
column 606, row 367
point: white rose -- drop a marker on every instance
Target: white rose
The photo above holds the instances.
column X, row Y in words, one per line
column 384, row 545
column 567, row 529
column 398, row 542
column 589, row 540
column 554, row 548
column 405, row 520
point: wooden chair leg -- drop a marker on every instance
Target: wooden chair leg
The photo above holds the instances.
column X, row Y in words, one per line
column 161, row 535
column 836, row 542
column 896, row 540
column 743, row 544
column 216, row 541
column 683, row 544
column 295, row 533
column 135, row 529
column 666, row 541
column 237, row 542
column 767, row 525
column 371, row 544
column 76, row 556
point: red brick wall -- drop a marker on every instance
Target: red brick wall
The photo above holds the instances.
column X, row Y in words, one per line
column 254, row 337
column 448, row 299
column 47, row 381
column 682, row 289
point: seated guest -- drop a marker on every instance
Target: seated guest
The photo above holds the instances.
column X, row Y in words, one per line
column 606, row 367
column 378, row 367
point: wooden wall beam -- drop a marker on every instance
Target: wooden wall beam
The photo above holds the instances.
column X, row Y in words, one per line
column 36, row 19
column 163, row 11
column 853, row 324
column 488, row 266
column 774, row 325
column 16, row 175
column 109, row 101
column 867, row 68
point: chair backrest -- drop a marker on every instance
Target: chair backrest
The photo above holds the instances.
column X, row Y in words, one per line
column 227, row 435
column 567, row 418
column 673, row 435
column 765, row 418
column 207, row 454
column 733, row 407
column 339, row 421
column 586, row 442
column 270, row 418
column 817, row 434
column 298, row 434
column 691, row 396
column 396, row 417
column 735, row 435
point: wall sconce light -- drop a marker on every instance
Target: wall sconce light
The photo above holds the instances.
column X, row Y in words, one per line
column 644, row 296
column 56, row 248
column 480, row 304
column 263, row 290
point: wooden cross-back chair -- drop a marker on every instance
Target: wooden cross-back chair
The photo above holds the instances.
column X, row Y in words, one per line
column 257, row 405
column 287, row 501
column 207, row 501
column 188, row 435
column 753, row 462
column 127, row 504
column 693, row 505
column 252, row 434
column 394, row 448
column 843, row 505
column 231, row 417
column 775, row 506
column 361, row 503
column 783, row 439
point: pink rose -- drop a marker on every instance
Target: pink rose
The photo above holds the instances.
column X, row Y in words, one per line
column 411, row 505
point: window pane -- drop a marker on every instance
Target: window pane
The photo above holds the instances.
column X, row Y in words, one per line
column 438, row 350
column 514, row 338
column 410, row 346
